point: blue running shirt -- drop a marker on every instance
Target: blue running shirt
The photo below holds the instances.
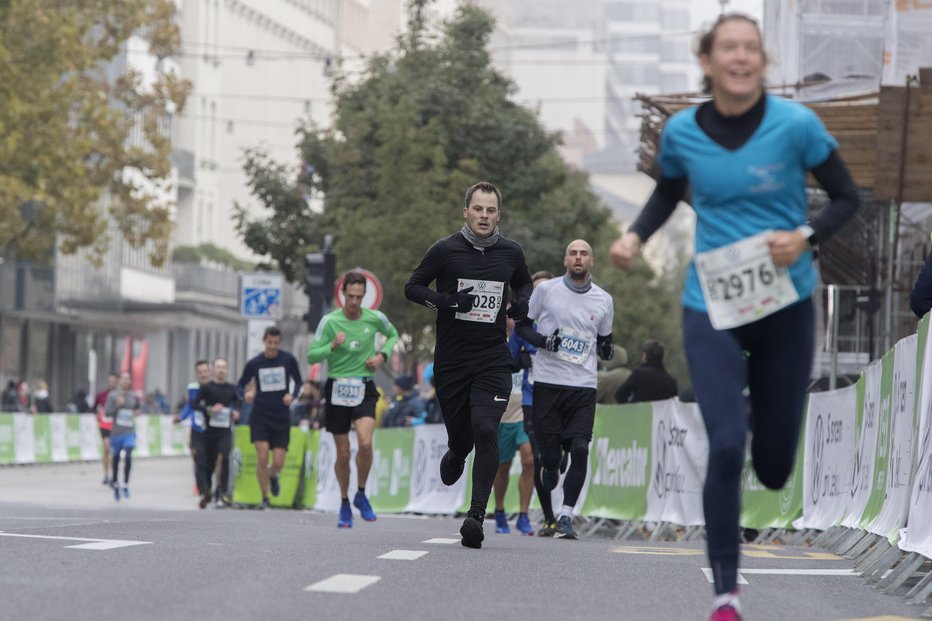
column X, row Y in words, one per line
column 759, row 186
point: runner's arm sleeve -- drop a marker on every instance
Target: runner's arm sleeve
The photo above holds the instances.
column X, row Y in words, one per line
column 295, row 374
column 626, row 390
column 426, row 272
column 319, row 349
column 525, row 329
column 659, row 207
column 199, row 402
column 248, row 374
column 833, row 176
column 391, row 332
column 521, row 283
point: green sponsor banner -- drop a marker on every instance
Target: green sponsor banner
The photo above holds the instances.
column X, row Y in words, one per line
column 619, row 462
column 73, row 437
column 389, row 485
column 246, row 487
column 179, row 439
column 7, row 447
column 882, row 450
column 764, row 508
column 42, row 434
column 311, row 449
column 154, row 437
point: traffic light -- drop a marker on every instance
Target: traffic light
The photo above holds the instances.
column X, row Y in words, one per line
column 319, row 282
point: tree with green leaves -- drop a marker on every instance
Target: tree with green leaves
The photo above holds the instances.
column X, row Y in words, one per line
column 421, row 125
column 68, row 126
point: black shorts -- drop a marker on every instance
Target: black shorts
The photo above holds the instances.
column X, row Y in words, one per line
column 562, row 413
column 464, row 385
column 276, row 433
column 339, row 418
column 104, row 433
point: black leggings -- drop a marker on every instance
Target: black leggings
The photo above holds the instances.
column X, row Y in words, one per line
column 542, row 495
column 127, row 465
column 472, row 401
column 776, row 370
column 210, row 444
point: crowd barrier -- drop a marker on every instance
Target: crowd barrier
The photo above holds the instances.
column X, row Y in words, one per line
column 49, row 438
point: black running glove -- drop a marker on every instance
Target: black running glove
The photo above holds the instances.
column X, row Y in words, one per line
column 606, row 350
column 552, row 342
column 518, row 309
column 461, row 301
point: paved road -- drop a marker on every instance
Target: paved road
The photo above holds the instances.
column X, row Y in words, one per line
column 157, row 557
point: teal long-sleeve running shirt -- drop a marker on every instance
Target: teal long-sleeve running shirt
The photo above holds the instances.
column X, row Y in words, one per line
column 349, row 358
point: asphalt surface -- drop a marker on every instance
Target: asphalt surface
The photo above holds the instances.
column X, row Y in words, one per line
column 172, row 561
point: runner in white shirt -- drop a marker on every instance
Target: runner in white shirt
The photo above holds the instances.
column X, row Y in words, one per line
column 574, row 319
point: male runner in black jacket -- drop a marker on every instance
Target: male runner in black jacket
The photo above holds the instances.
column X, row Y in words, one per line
column 473, row 268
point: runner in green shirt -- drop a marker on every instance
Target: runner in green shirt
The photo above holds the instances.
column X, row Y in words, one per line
column 345, row 338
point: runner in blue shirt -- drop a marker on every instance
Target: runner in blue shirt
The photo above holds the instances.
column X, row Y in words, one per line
column 745, row 155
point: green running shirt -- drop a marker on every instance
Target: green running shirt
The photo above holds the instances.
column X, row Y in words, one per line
column 349, row 359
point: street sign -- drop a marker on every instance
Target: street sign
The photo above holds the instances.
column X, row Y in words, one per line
column 373, row 298
column 261, row 295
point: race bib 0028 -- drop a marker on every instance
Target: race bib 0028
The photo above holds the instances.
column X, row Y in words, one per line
column 272, row 379
column 741, row 284
column 348, row 392
column 488, row 299
column 574, row 347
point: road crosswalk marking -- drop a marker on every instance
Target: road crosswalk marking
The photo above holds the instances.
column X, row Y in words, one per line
column 403, row 555
column 91, row 544
column 784, row 572
column 343, row 583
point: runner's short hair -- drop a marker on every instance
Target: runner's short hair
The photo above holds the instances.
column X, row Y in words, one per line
column 353, row 278
column 483, row 186
column 271, row 331
column 541, row 275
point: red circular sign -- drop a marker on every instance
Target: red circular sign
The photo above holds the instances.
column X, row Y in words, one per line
column 373, row 298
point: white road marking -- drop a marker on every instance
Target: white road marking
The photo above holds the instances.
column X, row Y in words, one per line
column 442, row 540
column 785, row 572
column 93, row 544
column 403, row 555
column 708, row 574
column 343, row 583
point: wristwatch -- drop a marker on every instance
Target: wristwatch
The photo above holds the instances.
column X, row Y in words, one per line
column 808, row 233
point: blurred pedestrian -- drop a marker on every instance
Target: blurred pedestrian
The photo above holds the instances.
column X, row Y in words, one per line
column 650, row 381
column 41, row 402
column 105, row 422
column 615, row 374
column 406, row 408
column 123, row 406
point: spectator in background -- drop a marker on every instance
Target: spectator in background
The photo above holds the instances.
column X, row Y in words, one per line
column 406, row 408
column 615, row 374
column 10, row 398
column 650, row 381
column 304, row 411
column 23, row 398
column 920, row 298
column 42, row 404
column 78, row 403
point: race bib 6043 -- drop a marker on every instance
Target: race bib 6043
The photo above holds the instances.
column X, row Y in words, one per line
column 574, row 346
